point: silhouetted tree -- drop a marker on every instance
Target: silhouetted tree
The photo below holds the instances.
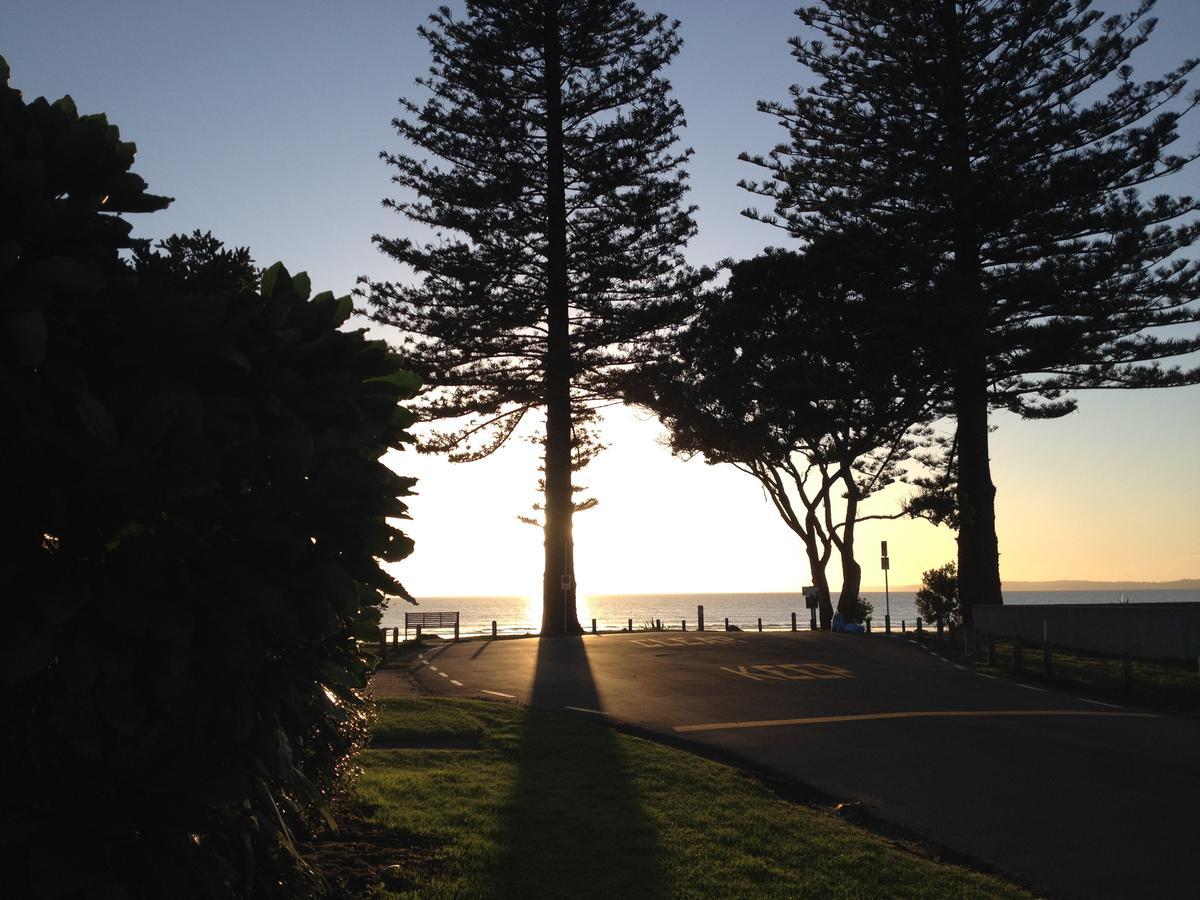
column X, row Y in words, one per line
column 195, row 512
column 559, row 230
column 791, row 373
column 937, row 598
column 1004, row 143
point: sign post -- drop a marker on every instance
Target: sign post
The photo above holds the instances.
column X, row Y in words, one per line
column 887, row 597
column 811, row 601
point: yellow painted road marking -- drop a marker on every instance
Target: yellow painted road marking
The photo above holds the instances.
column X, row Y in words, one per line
column 928, row 714
column 788, row 671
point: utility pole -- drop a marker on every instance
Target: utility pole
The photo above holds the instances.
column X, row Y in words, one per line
column 887, row 598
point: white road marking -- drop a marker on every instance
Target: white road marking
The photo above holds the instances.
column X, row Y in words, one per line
column 443, row 674
column 456, row 683
column 957, row 666
column 498, row 694
column 1098, row 703
column 1030, row 687
column 420, row 656
column 597, row 712
column 434, row 668
column 989, row 677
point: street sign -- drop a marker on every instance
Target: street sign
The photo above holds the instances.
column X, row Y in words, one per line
column 810, row 596
column 884, row 562
column 883, row 548
column 566, row 582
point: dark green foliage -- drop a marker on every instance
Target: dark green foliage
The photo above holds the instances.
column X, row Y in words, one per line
column 857, row 611
column 555, row 194
column 793, row 374
column 937, row 598
column 1002, row 146
column 194, row 510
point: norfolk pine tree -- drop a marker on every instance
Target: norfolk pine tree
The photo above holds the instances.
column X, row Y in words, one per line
column 557, row 208
column 1005, row 142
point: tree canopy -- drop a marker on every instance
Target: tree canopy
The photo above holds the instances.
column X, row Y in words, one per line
column 553, row 185
column 1007, row 146
column 792, row 372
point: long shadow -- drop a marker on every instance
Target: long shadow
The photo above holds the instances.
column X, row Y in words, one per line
column 574, row 826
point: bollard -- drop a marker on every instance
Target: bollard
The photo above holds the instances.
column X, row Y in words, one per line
column 1127, row 670
column 903, row 627
column 699, row 618
column 395, row 637
column 793, row 621
column 887, row 624
column 918, row 624
column 868, row 626
column 658, row 624
column 1016, row 653
column 456, row 628
column 727, row 623
column 631, row 624
column 493, row 627
column 991, row 649
column 1047, row 653
column 593, row 626
column 683, row 625
column 760, row 623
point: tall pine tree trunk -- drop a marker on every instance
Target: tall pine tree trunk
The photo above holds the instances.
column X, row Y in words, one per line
column 978, row 549
column 558, row 586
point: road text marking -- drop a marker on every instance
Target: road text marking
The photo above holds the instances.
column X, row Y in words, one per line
column 789, row 672
column 930, row 714
column 685, row 641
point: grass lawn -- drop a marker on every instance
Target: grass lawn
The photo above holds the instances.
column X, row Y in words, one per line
column 475, row 799
column 1166, row 685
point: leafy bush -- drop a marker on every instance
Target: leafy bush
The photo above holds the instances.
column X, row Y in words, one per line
column 860, row 610
column 195, row 511
column 937, row 599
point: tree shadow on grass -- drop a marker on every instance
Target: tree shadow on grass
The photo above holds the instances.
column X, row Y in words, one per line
column 574, row 826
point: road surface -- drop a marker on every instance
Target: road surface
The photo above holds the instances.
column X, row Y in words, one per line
column 1075, row 797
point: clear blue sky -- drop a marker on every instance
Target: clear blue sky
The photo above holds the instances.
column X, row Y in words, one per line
column 265, row 121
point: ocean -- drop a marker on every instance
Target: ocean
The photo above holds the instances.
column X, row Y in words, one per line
column 522, row 615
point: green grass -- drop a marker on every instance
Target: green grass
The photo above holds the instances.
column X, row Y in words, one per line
column 551, row 806
column 1166, row 685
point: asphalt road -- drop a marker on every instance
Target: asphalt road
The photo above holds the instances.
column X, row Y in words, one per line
column 1077, row 798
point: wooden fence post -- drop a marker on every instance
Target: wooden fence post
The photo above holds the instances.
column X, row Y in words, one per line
column 383, row 651
column 631, row 626
column 593, row 626
column 793, row 621
column 727, row 623
column 683, row 625
column 699, row 618
column 493, row 627
column 918, row 624
column 456, row 626
column 760, row 623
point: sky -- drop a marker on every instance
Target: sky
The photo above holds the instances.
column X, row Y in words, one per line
column 265, row 121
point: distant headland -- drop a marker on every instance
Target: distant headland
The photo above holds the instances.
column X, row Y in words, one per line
column 1182, row 584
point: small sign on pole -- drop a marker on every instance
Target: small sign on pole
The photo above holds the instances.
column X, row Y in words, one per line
column 885, row 564
column 883, row 548
column 566, row 582
column 810, row 597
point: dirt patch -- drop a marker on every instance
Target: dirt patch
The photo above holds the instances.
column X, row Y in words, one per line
column 362, row 857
